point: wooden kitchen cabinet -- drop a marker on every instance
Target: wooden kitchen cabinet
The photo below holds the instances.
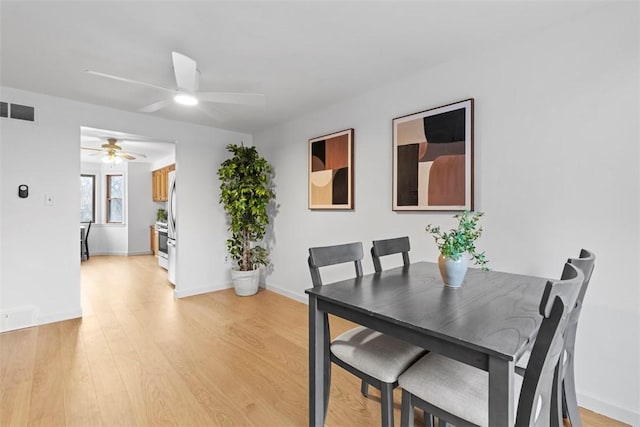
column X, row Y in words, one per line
column 153, row 239
column 160, row 183
column 156, row 185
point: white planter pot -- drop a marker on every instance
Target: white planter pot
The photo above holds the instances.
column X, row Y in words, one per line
column 245, row 282
column 453, row 271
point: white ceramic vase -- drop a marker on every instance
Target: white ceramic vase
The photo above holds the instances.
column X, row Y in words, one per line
column 453, row 270
column 245, row 283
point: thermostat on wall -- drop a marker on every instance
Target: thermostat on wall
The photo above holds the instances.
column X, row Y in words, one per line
column 23, row 191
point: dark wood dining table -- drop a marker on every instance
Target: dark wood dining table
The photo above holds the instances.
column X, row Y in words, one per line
column 487, row 323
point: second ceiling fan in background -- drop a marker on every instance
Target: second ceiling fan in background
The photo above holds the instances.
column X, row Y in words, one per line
column 113, row 153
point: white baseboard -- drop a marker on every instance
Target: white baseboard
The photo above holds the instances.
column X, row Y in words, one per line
column 183, row 293
column 300, row 297
column 23, row 322
column 59, row 317
column 609, row 409
column 18, row 318
column 212, row 288
column 103, row 253
column 120, row 253
column 135, row 253
column 205, row 289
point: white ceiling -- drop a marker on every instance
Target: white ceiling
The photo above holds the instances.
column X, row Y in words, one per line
column 301, row 55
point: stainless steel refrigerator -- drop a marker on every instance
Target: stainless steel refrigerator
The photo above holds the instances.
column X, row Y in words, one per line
column 171, row 225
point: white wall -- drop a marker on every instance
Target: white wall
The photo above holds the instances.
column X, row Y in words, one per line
column 141, row 212
column 202, row 219
column 44, row 155
column 556, row 169
column 106, row 239
column 165, row 161
column 132, row 237
column 39, row 273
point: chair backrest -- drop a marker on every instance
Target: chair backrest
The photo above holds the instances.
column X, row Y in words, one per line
column 558, row 300
column 586, row 264
column 332, row 255
column 87, row 228
column 388, row 247
column 86, row 234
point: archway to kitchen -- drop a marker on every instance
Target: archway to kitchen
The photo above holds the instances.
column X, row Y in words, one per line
column 124, row 192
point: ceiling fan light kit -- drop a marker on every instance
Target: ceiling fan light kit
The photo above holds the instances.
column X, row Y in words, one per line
column 111, row 157
column 186, row 92
column 185, row 99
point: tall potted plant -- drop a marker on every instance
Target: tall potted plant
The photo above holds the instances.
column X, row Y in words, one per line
column 454, row 244
column 245, row 193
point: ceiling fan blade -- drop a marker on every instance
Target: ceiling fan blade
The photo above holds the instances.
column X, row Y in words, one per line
column 125, row 156
column 186, row 71
column 131, row 153
column 92, row 149
column 155, row 106
column 123, row 79
column 233, row 98
column 214, row 113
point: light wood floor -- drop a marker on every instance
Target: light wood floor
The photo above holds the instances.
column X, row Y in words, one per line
column 139, row 357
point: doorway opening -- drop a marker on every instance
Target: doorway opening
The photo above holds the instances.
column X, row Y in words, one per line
column 124, row 195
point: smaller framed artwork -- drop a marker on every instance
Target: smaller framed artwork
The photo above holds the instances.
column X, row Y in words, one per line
column 331, row 171
column 433, row 159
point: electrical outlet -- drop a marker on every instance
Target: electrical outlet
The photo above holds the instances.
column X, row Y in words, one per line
column 48, row 200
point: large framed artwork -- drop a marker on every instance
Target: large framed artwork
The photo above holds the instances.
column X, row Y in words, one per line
column 331, row 171
column 433, row 159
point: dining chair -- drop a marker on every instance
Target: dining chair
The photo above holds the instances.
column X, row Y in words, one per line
column 586, row 263
column 84, row 242
column 375, row 358
column 388, row 247
column 458, row 393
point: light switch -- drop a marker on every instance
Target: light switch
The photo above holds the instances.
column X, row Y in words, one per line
column 48, row 200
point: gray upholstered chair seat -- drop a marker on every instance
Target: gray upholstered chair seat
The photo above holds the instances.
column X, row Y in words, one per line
column 524, row 360
column 374, row 353
column 453, row 386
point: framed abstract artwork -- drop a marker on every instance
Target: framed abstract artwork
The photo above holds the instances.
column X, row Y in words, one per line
column 331, row 171
column 433, row 159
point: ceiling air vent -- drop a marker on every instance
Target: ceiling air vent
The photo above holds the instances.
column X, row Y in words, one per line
column 22, row 112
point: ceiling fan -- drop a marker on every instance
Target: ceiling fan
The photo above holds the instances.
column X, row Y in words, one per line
column 113, row 152
column 186, row 93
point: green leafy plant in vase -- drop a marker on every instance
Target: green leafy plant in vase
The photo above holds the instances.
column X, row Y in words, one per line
column 455, row 243
column 245, row 193
column 161, row 215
